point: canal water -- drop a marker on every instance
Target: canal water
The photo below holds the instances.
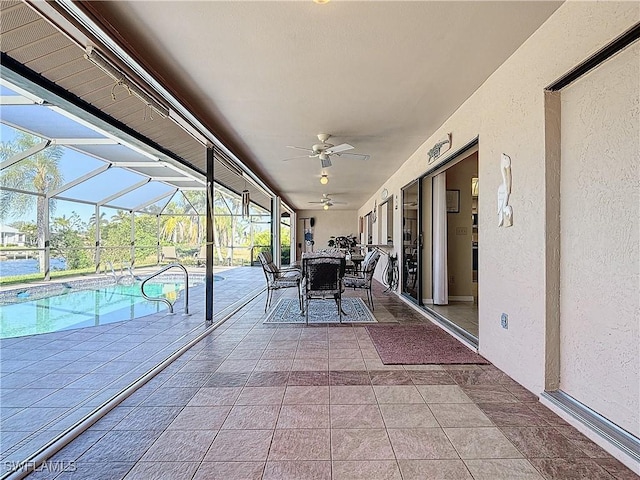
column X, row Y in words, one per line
column 9, row 268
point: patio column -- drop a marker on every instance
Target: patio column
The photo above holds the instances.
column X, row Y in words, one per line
column 209, row 257
column 47, row 239
column 132, row 255
column 276, row 248
column 293, row 256
column 158, row 239
column 97, row 214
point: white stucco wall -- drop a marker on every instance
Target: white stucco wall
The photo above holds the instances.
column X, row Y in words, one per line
column 507, row 113
column 600, row 225
column 327, row 223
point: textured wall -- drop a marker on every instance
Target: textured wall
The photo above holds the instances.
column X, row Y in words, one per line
column 328, row 223
column 600, row 225
column 507, row 113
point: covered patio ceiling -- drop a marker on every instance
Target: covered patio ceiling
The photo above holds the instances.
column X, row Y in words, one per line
column 381, row 76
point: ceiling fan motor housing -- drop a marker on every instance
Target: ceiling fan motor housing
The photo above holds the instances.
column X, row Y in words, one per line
column 320, row 147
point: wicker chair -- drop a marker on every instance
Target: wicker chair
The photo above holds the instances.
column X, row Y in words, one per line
column 323, row 275
column 365, row 278
column 278, row 278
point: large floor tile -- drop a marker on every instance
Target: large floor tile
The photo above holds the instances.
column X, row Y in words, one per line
column 156, row 470
column 481, row 442
column 300, row 444
column 407, row 415
column 459, row 415
column 511, row 469
column 229, row 470
column 240, row 445
column 397, row 394
column 298, row 470
column 421, row 444
column 366, row 470
column 434, row 469
column 200, row 418
column 180, row 445
column 352, row 395
column 361, row 444
column 303, row 416
column 356, row 416
column 252, row 417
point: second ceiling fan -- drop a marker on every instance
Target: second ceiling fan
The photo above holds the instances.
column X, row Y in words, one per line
column 325, row 150
column 326, row 201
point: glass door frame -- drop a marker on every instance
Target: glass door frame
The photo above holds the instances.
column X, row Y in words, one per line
column 417, row 183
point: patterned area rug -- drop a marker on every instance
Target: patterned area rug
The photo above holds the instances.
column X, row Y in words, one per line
column 420, row 345
column 287, row 310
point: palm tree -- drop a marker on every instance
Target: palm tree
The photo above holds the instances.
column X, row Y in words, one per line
column 39, row 173
column 121, row 216
column 102, row 221
column 180, row 222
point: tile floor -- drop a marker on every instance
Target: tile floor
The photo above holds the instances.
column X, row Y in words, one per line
column 50, row 381
column 253, row 401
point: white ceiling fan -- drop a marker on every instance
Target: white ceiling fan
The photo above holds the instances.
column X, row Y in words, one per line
column 325, row 150
column 326, row 201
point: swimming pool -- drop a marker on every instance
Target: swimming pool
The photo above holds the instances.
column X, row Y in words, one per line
column 66, row 306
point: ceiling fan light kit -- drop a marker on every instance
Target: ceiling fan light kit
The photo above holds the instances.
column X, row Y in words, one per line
column 326, row 201
column 324, row 179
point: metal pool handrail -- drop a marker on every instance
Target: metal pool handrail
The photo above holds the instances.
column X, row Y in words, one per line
column 162, row 299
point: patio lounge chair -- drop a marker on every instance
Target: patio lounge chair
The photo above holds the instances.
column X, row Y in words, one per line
column 169, row 255
column 201, row 256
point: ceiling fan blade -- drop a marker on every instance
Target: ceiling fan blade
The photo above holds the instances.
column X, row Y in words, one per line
column 296, row 158
column 339, row 148
column 300, row 148
column 316, row 202
column 355, row 156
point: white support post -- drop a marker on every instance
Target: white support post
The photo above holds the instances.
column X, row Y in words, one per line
column 293, row 235
column 47, row 240
column 158, row 254
column 97, row 214
column 133, row 239
column 276, row 248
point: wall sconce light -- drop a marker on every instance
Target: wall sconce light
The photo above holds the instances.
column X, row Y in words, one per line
column 324, row 179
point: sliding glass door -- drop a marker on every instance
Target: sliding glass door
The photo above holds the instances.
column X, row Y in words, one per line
column 411, row 242
column 440, row 243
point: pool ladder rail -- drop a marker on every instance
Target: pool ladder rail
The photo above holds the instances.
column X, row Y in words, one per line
column 162, row 299
column 115, row 276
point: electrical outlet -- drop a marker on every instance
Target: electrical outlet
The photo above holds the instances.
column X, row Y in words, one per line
column 504, row 320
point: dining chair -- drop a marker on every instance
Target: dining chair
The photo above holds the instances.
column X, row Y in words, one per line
column 364, row 279
column 278, row 278
column 323, row 279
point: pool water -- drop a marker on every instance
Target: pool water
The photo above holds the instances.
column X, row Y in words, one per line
column 82, row 308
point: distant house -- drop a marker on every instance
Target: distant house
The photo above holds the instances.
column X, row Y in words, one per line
column 11, row 236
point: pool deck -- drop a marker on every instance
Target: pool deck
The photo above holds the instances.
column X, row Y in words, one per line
column 271, row 402
column 50, row 381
